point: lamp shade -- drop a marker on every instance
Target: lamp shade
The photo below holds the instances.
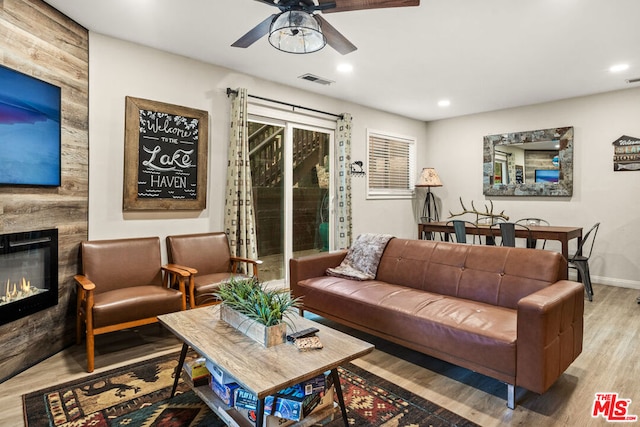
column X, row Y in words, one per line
column 296, row 31
column 429, row 178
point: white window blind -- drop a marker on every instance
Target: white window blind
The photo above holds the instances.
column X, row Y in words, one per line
column 391, row 165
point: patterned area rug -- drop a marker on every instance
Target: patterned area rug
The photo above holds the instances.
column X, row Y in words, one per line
column 138, row 395
column 134, row 395
column 373, row 401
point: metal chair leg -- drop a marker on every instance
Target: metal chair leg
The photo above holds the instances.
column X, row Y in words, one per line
column 583, row 270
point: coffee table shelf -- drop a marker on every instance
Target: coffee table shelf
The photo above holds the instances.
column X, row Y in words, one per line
column 233, row 418
column 229, row 415
column 263, row 371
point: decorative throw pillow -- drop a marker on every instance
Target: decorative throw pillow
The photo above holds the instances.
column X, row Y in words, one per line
column 363, row 257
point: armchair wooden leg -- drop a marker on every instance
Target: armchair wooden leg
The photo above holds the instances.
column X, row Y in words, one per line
column 90, row 341
column 90, row 351
column 79, row 317
column 79, row 329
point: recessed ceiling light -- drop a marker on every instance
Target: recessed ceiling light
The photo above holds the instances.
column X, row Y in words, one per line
column 444, row 103
column 618, row 68
column 345, row 68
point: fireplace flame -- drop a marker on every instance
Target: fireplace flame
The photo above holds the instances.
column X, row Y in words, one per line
column 18, row 290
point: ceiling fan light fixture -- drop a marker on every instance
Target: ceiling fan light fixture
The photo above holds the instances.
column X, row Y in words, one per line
column 296, row 31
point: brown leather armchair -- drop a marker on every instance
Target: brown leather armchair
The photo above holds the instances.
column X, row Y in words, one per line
column 208, row 258
column 122, row 286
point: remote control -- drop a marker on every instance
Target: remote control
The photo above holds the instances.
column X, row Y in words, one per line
column 301, row 334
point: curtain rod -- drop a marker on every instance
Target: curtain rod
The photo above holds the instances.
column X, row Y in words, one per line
column 503, row 152
column 235, row 92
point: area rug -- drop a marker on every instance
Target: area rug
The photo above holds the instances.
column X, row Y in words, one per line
column 373, row 401
column 138, row 395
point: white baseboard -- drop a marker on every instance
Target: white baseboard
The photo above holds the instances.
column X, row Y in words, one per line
column 622, row 283
column 610, row 281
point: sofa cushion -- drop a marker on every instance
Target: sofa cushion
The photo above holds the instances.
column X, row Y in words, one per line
column 469, row 330
column 134, row 303
column 498, row 276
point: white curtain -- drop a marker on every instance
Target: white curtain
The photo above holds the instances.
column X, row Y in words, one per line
column 239, row 216
column 343, row 184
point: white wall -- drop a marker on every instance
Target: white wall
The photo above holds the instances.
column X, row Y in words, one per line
column 454, row 148
column 119, row 69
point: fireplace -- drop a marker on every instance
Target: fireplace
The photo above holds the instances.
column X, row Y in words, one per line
column 28, row 273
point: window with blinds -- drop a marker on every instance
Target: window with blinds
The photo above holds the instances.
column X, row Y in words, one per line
column 390, row 165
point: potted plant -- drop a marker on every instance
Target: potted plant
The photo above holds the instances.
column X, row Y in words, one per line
column 258, row 312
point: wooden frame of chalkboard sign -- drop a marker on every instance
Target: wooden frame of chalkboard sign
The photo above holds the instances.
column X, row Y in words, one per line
column 165, row 156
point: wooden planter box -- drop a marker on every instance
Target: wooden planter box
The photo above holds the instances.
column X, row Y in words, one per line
column 267, row 336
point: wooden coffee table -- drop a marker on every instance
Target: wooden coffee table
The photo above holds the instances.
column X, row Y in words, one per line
column 264, row 371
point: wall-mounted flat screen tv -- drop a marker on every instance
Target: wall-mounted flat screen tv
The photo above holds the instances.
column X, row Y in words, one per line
column 29, row 130
column 547, row 175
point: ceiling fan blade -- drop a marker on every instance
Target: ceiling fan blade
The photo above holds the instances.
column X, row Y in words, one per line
column 347, row 5
column 255, row 34
column 334, row 38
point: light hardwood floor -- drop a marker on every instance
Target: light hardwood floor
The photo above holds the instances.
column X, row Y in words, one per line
column 608, row 363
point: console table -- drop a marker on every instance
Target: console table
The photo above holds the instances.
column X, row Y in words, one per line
column 264, row 371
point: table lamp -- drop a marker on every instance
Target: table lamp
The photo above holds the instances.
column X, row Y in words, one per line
column 429, row 178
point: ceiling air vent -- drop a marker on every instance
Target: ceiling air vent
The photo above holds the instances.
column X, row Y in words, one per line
column 636, row 80
column 316, row 79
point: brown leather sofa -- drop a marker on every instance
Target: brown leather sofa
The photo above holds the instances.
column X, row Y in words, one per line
column 508, row 313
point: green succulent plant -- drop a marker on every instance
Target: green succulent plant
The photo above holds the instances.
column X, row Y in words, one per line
column 250, row 297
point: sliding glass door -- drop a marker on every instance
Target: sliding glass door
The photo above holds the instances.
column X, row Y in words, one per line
column 292, row 187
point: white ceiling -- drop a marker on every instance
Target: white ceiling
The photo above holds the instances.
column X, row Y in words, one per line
column 482, row 55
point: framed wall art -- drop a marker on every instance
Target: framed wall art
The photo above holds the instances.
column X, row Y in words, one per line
column 165, row 156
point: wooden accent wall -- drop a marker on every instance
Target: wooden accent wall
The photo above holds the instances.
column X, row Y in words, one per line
column 38, row 40
column 538, row 160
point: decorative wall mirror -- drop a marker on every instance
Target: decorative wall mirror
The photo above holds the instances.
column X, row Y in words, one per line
column 534, row 163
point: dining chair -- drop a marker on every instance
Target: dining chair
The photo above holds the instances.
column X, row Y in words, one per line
column 123, row 285
column 460, row 230
column 508, row 232
column 533, row 243
column 207, row 257
column 490, row 240
column 580, row 260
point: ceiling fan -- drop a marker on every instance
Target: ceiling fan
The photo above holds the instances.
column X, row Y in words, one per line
column 300, row 28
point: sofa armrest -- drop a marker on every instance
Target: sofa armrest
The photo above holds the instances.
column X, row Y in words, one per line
column 312, row 266
column 550, row 328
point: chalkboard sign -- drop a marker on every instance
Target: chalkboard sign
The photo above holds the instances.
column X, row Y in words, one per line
column 165, row 156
